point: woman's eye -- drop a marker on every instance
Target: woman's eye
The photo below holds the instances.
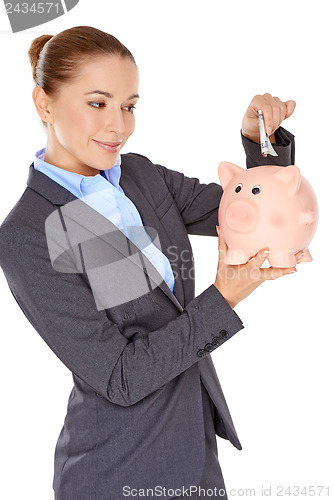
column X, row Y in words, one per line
column 130, row 108
column 256, row 189
column 238, row 187
column 97, row 105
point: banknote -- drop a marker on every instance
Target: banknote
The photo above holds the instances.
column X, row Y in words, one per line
column 265, row 143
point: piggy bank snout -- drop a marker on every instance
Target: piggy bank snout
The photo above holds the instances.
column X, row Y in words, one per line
column 242, row 216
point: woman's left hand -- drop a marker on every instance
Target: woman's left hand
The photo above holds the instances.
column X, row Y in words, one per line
column 274, row 112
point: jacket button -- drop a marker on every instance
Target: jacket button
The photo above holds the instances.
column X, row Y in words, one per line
column 223, row 334
column 201, row 352
column 209, row 347
column 216, row 341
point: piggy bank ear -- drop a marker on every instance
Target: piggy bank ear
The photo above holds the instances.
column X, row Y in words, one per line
column 291, row 176
column 227, row 171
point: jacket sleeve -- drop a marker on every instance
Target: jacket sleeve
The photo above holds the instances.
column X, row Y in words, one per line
column 61, row 307
column 284, row 147
column 198, row 203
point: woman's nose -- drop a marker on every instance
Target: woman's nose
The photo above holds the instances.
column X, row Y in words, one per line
column 115, row 122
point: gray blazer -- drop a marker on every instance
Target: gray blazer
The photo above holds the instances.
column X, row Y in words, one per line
column 135, row 411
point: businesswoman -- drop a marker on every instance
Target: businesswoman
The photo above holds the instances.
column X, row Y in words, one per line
column 93, row 252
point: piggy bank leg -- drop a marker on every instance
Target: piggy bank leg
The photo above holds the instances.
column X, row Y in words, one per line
column 235, row 257
column 282, row 258
column 307, row 257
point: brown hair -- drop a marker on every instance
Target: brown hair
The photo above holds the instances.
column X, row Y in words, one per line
column 56, row 59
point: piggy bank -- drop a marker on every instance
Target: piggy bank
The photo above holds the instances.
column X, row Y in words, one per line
column 266, row 207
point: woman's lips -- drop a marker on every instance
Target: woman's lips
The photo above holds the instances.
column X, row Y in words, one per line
column 111, row 147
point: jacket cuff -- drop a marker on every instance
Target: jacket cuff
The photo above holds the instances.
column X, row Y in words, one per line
column 284, row 147
column 213, row 319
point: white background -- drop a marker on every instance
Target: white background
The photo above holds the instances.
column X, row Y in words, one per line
column 200, row 65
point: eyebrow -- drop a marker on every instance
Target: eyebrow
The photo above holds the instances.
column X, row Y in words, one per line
column 107, row 94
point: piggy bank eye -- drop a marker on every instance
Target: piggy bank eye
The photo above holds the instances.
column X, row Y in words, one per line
column 238, row 187
column 256, row 189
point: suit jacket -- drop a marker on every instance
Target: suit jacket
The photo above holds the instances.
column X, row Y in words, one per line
column 138, row 352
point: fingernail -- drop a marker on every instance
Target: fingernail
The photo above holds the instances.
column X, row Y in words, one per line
column 269, row 130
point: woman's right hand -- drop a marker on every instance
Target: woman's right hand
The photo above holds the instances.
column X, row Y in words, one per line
column 236, row 282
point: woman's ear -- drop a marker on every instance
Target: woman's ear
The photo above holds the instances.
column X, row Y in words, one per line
column 42, row 103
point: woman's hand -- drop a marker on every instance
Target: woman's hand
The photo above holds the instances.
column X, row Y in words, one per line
column 236, row 283
column 274, row 112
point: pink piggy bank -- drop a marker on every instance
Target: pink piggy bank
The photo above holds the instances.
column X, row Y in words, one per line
column 266, row 207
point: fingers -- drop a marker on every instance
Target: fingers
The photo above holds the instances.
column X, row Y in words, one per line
column 274, row 113
column 273, row 109
column 290, row 105
column 272, row 273
column 299, row 255
column 260, row 258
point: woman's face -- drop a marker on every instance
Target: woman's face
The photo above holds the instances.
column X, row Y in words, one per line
column 92, row 117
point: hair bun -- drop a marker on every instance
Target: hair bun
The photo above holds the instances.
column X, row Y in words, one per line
column 35, row 49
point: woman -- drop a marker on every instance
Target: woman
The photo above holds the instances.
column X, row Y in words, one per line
column 97, row 255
